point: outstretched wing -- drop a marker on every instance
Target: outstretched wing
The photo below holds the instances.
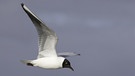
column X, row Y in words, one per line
column 47, row 37
column 68, row 54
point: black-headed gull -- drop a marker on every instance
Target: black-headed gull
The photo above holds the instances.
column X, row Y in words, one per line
column 47, row 57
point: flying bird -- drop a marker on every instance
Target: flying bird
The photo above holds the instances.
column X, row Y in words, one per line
column 47, row 57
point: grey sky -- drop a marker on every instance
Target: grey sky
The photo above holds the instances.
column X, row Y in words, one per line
column 103, row 31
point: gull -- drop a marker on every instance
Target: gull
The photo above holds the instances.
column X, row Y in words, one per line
column 47, row 57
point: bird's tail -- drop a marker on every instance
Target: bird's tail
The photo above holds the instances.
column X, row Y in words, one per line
column 27, row 62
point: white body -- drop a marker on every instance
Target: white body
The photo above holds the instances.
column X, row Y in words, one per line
column 49, row 62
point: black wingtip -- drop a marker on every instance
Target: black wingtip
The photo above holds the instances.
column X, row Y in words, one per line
column 78, row 54
column 22, row 4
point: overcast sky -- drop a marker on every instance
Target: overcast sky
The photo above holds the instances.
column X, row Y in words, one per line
column 102, row 31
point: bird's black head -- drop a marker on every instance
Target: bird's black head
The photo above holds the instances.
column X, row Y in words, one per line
column 66, row 64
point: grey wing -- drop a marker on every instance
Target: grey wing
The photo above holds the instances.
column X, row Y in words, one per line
column 47, row 37
column 68, row 54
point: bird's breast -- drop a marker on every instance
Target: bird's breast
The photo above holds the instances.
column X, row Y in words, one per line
column 48, row 63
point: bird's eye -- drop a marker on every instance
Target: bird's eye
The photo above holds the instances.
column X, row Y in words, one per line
column 66, row 63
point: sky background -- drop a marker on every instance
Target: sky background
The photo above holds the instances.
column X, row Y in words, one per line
column 102, row 31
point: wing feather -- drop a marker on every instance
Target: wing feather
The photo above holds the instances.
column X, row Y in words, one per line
column 68, row 54
column 47, row 37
